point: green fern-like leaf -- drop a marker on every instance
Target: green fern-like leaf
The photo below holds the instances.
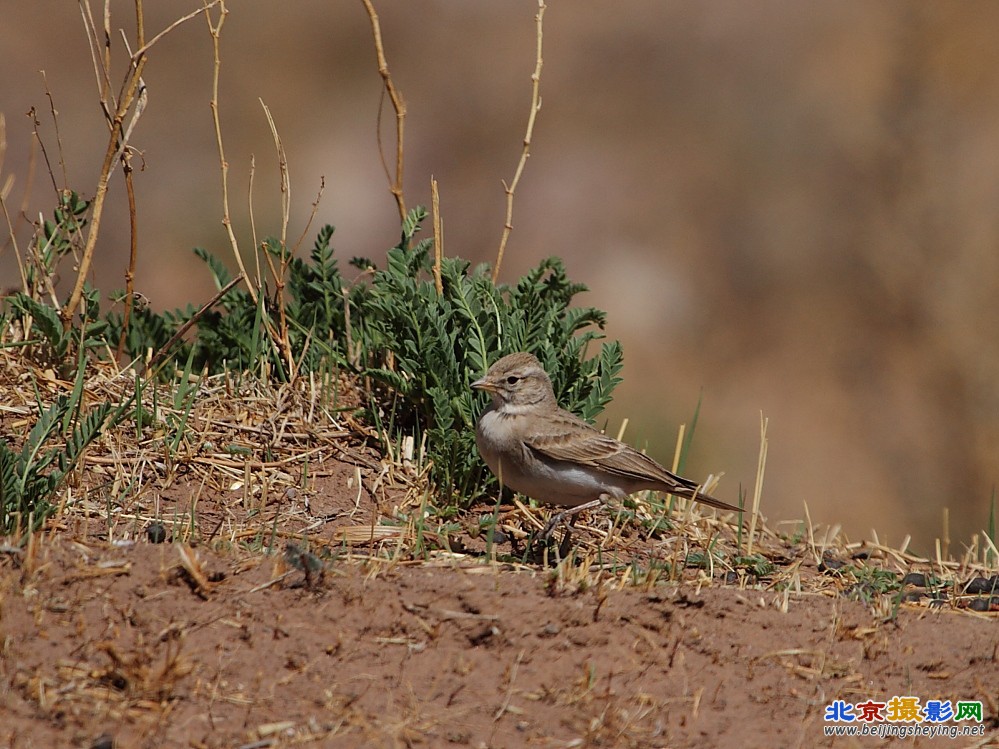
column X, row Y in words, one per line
column 46, row 321
column 219, row 271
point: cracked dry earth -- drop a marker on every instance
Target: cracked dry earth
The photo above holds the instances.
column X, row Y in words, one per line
column 163, row 646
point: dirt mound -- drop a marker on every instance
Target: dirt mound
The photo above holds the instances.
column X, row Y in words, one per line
column 166, row 646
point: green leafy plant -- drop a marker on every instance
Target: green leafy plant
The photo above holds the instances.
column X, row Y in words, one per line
column 427, row 347
column 418, row 342
column 422, row 347
column 45, row 335
column 29, row 478
column 51, row 343
column 54, row 240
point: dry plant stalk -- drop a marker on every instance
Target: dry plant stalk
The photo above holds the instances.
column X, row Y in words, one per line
column 758, row 489
column 282, row 336
column 278, row 336
column 151, row 367
column 435, row 203
column 215, row 30
column 131, row 98
column 115, row 113
column 526, row 152
column 133, row 251
column 398, row 104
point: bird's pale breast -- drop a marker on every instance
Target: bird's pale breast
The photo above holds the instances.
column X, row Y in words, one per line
column 521, row 469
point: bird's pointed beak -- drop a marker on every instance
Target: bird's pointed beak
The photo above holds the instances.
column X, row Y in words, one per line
column 484, row 384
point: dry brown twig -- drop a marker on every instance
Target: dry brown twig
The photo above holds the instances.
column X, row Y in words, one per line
column 189, row 322
column 115, row 113
column 398, row 104
column 215, row 31
column 133, row 252
column 129, row 103
column 55, row 126
column 133, row 224
column 281, row 336
column 526, row 151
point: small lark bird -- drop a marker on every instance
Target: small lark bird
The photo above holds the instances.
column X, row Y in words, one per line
column 538, row 449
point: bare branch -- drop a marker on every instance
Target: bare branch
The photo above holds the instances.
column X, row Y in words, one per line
column 116, row 145
column 187, row 325
column 281, row 337
column 183, row 19
column 526, row 152
column 133, row 227
column 312, row 214
column 398, row 104
column 283, row 167
column 216, row 30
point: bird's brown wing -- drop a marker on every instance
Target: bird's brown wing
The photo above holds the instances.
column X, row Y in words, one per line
column 569, row 438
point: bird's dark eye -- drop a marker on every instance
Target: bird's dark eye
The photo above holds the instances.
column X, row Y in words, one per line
column 512, row 380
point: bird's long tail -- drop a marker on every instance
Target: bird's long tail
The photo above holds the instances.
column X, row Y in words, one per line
column 704, row 499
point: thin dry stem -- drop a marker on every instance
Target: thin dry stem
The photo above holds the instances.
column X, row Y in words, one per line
column 116, row 145
column 312, row 214
column 215, row 30
column 758, row 489
column 526, row 151
column 253, row 220
column 435, row 204
column 283, row 167
column 183, row 19
column 100, row 54
column 55, row 125
column 131, row 98
column 282, row 336
column 398, row 104
column 126, row 163
column 194, row 318
column 35, row 124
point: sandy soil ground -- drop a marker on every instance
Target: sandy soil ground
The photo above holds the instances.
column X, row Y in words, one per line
column 213, row 642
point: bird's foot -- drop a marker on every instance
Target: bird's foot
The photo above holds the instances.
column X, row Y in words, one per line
column 566, row 519
column 560, row 518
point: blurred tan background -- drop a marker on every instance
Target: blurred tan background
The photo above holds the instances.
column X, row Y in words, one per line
column 788, row 207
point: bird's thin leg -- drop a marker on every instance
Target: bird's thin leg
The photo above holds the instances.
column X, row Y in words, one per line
column 570, row 514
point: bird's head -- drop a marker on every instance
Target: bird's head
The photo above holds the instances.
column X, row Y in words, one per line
column 518, row 382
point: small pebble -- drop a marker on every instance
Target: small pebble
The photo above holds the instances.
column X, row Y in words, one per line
column 156, row 533
column 829, row 564
column 915, row 578
column 499, row 537
column 983, row 585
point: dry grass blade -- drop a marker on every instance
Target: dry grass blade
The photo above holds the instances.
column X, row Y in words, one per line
column 190, row 563
column 758, row 488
